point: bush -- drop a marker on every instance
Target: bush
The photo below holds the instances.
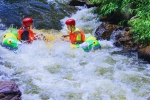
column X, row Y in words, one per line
column 140, row 24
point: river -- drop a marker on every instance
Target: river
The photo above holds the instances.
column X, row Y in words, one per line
column 60, row 73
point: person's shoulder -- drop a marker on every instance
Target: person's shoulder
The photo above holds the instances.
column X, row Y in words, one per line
column 77, row 32
column 23, row 28
column 20, row 29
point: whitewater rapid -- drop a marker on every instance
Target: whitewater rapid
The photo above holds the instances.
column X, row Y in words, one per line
column 56, row 72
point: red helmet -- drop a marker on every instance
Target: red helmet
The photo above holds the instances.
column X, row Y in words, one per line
column 27, row 21
column 70, row 22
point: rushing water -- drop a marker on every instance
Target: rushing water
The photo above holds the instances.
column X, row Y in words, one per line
column 2, row 26
column 60, row 73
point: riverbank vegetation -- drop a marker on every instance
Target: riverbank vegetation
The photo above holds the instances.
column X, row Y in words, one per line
column 136, row 13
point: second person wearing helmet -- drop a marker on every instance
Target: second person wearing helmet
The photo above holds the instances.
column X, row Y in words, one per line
column 76, row 36
column 25, row 33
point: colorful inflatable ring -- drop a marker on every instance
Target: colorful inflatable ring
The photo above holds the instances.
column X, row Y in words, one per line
column 90, row 44
column 10, row 40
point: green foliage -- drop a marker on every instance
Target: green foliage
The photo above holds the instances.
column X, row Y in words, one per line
column 141, row 29
column 139, row 8
column 106, row 6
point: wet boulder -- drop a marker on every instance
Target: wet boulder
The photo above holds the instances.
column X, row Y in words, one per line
column 124, row 38
column 9, row 91
column 81, row 3
column 121, row 37
column 144, row 53
column 105, row 30
column 117, row 17
column 46, row 15
column 77, row 3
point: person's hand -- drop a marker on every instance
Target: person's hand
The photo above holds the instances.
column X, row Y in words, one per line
column 64, row 36
column 39, row 36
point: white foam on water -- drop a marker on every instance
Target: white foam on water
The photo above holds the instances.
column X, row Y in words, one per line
column 60, row 73
column 60, row 1
column 85, row 20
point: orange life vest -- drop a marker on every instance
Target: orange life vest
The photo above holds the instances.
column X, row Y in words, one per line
column 30, row 36
column 77, row 36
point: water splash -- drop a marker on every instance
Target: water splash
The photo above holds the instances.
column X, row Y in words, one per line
column 61, row 73
column 85, row 20
column 2, row 26
column 60, row 1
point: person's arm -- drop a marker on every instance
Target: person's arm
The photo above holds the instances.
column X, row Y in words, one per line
column 39, row 36
column 65, row 38
column 19, row 35
column 82, row 36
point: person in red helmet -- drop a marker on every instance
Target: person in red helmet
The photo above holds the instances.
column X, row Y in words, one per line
column 76, row 36
column 25, row 33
